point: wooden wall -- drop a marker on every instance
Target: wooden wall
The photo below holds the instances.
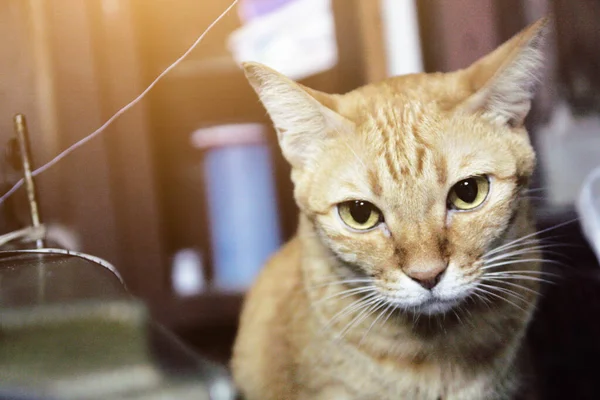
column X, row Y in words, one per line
column 68, row 66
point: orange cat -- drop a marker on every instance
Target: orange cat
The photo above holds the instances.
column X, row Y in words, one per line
column 414, row 272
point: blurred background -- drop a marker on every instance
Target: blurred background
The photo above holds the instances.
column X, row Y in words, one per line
column 187, row 193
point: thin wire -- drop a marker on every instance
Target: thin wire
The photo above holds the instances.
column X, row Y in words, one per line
column 132, row 103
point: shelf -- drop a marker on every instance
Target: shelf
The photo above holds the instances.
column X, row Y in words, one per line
column 212, row 309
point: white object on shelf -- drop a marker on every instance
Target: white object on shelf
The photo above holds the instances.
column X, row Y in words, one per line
column 188, row 273
column 588, row 208
column 228, row 135
column 569, row 148
column 296, row 39
column 241, row 199
column 402, row 37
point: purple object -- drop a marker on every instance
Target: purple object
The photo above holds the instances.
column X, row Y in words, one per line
column 250, row 9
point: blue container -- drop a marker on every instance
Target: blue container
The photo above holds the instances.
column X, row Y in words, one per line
column 243, row 213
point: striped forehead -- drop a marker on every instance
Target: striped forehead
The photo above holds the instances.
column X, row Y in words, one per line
column 403, row 143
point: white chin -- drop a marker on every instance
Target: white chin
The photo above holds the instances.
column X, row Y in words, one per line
column 435, row 306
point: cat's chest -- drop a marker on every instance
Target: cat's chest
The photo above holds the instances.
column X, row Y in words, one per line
column 352, row 374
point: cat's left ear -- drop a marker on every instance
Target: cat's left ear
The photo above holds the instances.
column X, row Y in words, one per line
column 304, row 118
column 504, row 81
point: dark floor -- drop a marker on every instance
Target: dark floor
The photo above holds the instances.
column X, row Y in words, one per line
column 565, row 334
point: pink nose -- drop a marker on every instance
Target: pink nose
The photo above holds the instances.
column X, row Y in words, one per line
column 426, row 274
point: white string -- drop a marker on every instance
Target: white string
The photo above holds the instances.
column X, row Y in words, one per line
column 132, row 103
column 31, row 233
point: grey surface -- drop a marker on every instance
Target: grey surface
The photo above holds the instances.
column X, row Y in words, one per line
column 69, row 330
column 38, row 279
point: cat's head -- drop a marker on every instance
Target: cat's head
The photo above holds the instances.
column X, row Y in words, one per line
column 412, row 180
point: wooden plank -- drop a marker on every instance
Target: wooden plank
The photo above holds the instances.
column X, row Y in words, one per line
column 372, row 40
column 132, row 173
column 456, row 33
column 82, row 180
column 578, row 35
column 17, row 88
column 351, row 68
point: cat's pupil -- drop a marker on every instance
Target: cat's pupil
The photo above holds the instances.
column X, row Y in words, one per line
column 466, row 190
column 360, row 211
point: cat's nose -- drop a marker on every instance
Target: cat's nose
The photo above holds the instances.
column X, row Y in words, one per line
column 427, row 275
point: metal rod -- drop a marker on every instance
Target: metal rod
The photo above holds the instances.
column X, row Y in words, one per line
column 23, row 139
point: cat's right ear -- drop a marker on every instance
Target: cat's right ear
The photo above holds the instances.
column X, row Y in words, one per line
column 504, row 81
column 303, row 118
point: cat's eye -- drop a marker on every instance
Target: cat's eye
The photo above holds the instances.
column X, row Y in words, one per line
column 469, row 193
column 359, row 214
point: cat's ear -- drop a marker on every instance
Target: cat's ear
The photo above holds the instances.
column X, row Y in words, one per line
column 303, row 118
column 504, row 81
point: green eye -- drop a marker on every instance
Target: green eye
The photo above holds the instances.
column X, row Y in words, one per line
column 469, row 193
column 360, row 215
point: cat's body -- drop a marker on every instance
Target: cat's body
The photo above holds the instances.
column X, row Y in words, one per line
column 404, row 300
column 288, row 355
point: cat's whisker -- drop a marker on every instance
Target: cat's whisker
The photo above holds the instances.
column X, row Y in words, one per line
column 541, row 275
column 532, row 240
column 389, row 314
column 379, row 306
column 522, row 238
column 481, row 290
column 535, row 244
column 523, row 278
column 518, row 246
column 359, row 312
column 381, row 313
column 362, row 313
column 524, row 260
column 379, row 303
column 523, row 271
column 416, row 315
column 346, row 293
column 505, row 291
column 512, row 254
column 528, row 197
column 529, row 190
column 516, row 285
column 441, row 324
column 457, row 316
column 350, row 308
column 516, row 257
column 537, row 249
column 523, row 245
column 467, row 311
column 497, row 264
column 486, row 301
column 469, row 317
column 510, row 245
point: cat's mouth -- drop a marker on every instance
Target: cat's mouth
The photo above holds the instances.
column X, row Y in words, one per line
column 430, row 305
column 434, row 306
